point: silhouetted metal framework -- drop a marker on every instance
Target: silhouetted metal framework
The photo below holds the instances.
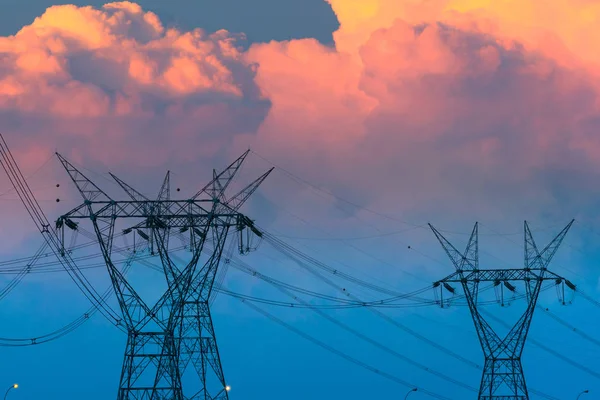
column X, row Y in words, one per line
column 177, row 330
column 503, row 377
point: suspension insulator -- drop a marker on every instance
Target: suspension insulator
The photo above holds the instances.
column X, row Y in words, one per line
column 509, row 286
column 71, row 224
column 199, row 233
column 449, row 288
column 570, row 285
column 143, row 235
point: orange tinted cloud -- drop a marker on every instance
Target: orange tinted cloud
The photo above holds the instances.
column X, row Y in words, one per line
column 565, row 29
column 436, row 102
column 115, row 76
column 419, row 100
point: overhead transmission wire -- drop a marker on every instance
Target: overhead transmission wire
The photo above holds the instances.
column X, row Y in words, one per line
column 253, row 299
column 342, row 354
column 385, row 303
column 21, row 275
column 355, row 205
column 367, row 339
column 282, row 246
column 569, row 326
column 363, row 337
column 358, row 334
column 34, row 210
column 297, row 178
column 382, row 303
column 316, row 188
column 70, row 327
column 454, row 300
column 248, row 269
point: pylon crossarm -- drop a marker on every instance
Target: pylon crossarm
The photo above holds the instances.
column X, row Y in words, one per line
column 465, row 263
column 540, row 260
column 236, row 201
column 462, row 262
column 165, row 189
column 216, row 187
column 552, row 247
column 136, row 209
column 502, row 275
column 86, row 187
column 533, row 259
column 164, row 194
column 452, row 278
column 184, row 220
column 134, row 194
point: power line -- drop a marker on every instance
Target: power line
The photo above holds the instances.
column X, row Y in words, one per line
column 342, row 354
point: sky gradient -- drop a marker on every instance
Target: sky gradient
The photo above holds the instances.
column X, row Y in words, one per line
column 379, row 116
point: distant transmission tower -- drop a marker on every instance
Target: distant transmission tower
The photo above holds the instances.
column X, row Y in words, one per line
column 158, row 337
column 503, row 377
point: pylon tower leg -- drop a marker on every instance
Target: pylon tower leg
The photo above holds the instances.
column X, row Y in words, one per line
column 198, row 335
column 150, row 368
column 200, row 350
column 499, row 373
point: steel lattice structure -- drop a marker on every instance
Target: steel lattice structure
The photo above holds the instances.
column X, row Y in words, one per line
column 503, row 377
column 165, row 338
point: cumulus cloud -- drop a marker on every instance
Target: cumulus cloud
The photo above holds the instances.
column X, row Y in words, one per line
column 439, row 105
column 116, row 82
column 420, row 105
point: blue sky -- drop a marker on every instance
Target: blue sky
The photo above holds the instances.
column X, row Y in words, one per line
column 262, row 359
column 261, row 21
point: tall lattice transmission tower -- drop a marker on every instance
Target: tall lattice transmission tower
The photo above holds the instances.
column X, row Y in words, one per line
column 503, row 377
column 177, row 331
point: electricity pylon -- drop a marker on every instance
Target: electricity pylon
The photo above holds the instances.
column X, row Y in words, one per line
column 503, row 377
column 151, row 368
column 198, row 347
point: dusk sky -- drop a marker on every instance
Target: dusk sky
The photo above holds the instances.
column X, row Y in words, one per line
column 379, row 116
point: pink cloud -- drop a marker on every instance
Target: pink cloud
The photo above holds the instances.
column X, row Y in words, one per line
column 440, row 112
column 418, row 103
column 107, row 79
